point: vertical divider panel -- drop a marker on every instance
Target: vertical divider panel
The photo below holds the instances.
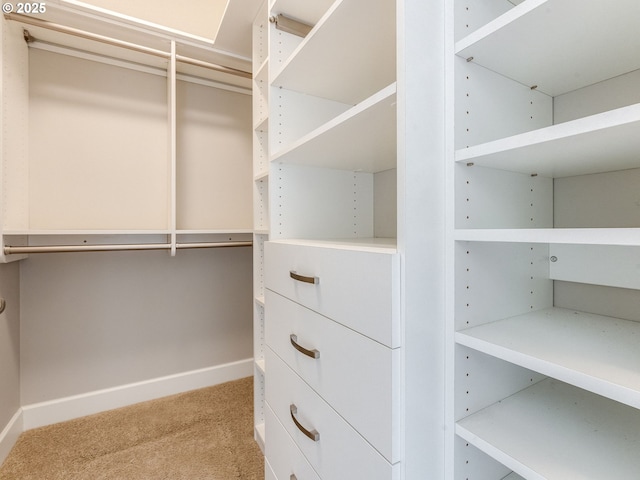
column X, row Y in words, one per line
column 14, row 122
column 172, row 94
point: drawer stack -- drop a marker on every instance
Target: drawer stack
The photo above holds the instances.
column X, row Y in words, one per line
column 332, row 361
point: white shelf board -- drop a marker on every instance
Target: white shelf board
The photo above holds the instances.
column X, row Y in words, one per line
column 377, row 244
column 260, row 176
column 260, row 365
column 261, row 232
column 84, row 232
column 361, row 139
column 559, row 45
column 596, row 353
column 263, row 71
column 351, row 41
column 262, row 124
column 600, row 143
column 554, row 431
column 259, row 435
column 578, row 236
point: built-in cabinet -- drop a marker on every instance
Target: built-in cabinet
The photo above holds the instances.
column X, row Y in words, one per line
column 328, row 295
column 500, row 183
column 544, row 327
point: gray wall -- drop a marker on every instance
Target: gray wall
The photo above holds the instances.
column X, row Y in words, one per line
column 9, row 343
column 97, row 320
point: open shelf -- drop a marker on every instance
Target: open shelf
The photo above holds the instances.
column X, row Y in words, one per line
column 350, row 41
column 599, row 143
column 553, row 431
column 363, row 138
column 578, row 236
column 382, row 245
column 558, row 45
column 596, row 353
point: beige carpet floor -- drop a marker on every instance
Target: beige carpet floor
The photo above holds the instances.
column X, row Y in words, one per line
column 198, row 435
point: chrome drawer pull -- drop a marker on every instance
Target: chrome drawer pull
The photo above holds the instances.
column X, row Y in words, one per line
column 309, row 353
column 303, row 278
column 312, row 434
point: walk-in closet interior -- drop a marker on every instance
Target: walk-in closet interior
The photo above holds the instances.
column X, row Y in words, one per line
column 126, row 205
column 415, row 223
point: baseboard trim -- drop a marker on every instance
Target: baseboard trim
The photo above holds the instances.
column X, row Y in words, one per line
column 9, row 436
column 62, row 409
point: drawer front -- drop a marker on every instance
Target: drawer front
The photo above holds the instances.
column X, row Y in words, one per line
column 355, row 288
column 339, row 451
column 357, row 376
column 283, row 456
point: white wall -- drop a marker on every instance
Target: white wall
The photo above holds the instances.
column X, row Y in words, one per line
column 9, row 343
column 97, row 320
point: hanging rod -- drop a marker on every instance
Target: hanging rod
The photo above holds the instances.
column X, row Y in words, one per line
column 9, row 250
column 120, row 43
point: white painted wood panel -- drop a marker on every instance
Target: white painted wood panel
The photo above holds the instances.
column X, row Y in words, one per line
column 489, row 106
column 336, row 436
column 578, row 236
column 593, row 352
column 499, row 280
column 358, row 377
column 282, row 454
column 214, row 186
column 608, row 265
column 354, row 40
column 361, row 139
column 355, row 288
column 95, row 161
column 488, row 198
column 554, row 431
column 320, row 203
column 600, row 143
column 604, row 200
column 552, row 44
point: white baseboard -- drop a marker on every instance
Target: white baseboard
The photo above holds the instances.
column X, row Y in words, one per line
column 62, row 409
column 9, row 436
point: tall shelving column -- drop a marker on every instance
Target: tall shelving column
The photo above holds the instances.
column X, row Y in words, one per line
column 544, row 376
column 260, row 203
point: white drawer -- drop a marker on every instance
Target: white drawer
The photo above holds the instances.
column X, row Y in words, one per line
column 356, row 288
column 283, row 456
column 357, row 376
column 340, row 452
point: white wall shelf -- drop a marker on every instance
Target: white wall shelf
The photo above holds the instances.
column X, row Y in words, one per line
column 578, row 236
column 339, row 47
column 361, row 139
column 567, row 149
column 553, row 431
column 590, row 351
column 543, row 170
column 558, row 45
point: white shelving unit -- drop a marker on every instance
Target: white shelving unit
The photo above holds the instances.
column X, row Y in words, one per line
column 260, row 207
column 542, row 170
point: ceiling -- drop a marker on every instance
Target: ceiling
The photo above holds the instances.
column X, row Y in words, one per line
column 225, row 23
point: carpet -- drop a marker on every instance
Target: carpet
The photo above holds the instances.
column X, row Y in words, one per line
column 198, row 435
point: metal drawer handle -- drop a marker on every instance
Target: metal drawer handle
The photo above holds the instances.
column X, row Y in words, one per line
column 309, row 353
column 304, row 278
column 312, row 434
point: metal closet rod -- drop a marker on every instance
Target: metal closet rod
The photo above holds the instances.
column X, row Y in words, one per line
column 9, row 250
column 121, row 43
